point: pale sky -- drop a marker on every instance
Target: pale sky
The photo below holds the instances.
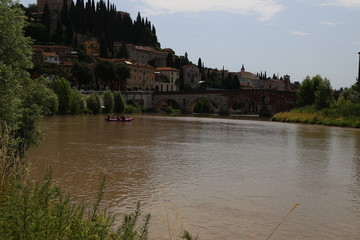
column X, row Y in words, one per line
column 294, row 37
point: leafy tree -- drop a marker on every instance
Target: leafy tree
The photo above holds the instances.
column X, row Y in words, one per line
column 123, row 73
column 351, row 94
column 16, row 113
column 93, row 103
column 105, row 72
column 108, row 101
column 36, row 31
column 84, row 74
column 119, row 103
column 316, row 91
column 41, row 96
column 63, row 90
column 77, row 104
column 324, row 96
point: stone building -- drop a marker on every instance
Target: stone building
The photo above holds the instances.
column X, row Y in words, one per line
column 142, row 77
column 248, row 78
column 166, row 79
column 142, row 54
column 191, row 76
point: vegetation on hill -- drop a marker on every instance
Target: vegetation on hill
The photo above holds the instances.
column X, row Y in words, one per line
column 99, row 20
column 317, row 104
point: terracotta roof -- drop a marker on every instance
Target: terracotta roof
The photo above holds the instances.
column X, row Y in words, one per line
column 51, row 46
column 166, row 69
column 49, row 54
column 66, row 64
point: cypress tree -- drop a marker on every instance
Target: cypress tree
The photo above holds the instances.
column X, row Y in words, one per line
column 69, row 35
column 58, row 36
column 46, row 19
column 64, row 12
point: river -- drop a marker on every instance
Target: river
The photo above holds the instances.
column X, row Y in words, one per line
column 220, row 178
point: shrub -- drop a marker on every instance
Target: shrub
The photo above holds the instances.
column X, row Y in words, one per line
column 93, row 103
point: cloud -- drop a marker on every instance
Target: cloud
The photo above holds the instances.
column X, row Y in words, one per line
column 327, row 23
column 357, row 43
column 299, row 33
column 342, row 3
column 266, row 9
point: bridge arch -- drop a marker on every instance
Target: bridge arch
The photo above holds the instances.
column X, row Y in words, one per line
column 162, row 101
column 192, row 104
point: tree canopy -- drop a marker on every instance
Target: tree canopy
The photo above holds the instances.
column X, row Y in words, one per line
column 315, row 90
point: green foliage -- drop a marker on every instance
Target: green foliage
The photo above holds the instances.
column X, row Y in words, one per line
column 63, row 90
column 77, row 103
column 108, row 101
column 93, row 103
column 132, row 107
column 17, row 111
column 316, row 91
column 204, row 106
column 119, row 103
column 41, row 95
column 41, row 211
column 351, row 94
column 84, row 74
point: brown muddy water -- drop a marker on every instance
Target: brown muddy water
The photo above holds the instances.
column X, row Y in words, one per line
column 220, row 178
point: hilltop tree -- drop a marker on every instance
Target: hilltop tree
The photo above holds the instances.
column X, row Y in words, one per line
column 46, row 19
column 123, row 52
column 170, row 60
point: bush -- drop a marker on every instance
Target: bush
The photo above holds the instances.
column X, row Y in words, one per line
column 93, row 103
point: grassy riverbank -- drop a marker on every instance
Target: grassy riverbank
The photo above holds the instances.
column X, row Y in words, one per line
column 344, row 116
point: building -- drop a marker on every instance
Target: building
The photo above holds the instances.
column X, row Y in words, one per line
column 166, row 79
column 62, row 51
column 142, row 77
column 54, row 5
column 142, row 54
column 275, row 84
column 191, row 76
column 50, row 57
column 248, row 78
column 92, row 48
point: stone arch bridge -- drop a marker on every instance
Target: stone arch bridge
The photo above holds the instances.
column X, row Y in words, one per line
column 252, row 101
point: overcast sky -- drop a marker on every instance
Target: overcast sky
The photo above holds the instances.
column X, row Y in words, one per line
column 294, row 37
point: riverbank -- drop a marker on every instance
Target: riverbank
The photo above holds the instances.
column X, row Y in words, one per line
column 317, row 118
